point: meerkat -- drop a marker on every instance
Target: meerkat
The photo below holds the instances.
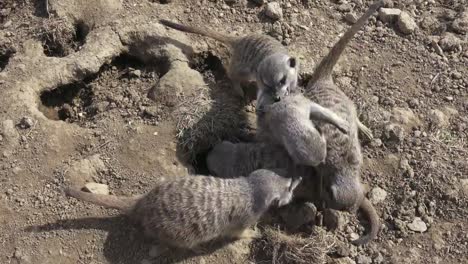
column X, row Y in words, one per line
column 340, row 172
column 288, row 123
column 191, row 210
column 254, row 57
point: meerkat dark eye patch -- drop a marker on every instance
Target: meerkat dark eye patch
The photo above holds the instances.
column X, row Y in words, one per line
column 292, row 62
column 283, row 80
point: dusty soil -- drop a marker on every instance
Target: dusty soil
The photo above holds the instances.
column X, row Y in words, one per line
column 102, row 93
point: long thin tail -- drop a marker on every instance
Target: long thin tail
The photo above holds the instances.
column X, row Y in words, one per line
column 371, row 214
column 124, row 204
column 196, row 30
column 325, row 68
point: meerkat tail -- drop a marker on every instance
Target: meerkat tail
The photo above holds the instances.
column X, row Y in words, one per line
column 196, row 30
column 124, row 204
column 318, row 112
column 325, row 68
column 371, row 214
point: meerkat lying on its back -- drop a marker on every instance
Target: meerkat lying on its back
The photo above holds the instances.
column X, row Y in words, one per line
column 190, row 210
column 254, row 57
column 288, row 123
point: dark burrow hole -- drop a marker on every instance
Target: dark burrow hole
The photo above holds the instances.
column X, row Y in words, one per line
column 162, row 1
column 60, row 39
column 123, row 84
column 57, row 104
column 5, row 54
column 199, row 164
column 209, row 65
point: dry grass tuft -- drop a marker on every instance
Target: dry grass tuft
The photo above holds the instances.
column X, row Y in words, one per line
column 203, row 122
column 59, row 37
column 278, row 247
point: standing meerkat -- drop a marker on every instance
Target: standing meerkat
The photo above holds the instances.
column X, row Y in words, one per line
column 340, row 171
column 191, row 210
column 288, row 123
column 254, row 57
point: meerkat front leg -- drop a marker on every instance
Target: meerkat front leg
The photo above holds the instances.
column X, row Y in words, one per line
column 319, row 112
column 365, row 130
column 248, row 233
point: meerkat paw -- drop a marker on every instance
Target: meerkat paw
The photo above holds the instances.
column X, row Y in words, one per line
column 247, row 233
column 365, row 130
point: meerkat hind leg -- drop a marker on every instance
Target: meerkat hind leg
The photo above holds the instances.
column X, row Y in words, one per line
column 326, row 115
column 365, row 130
column 237, row 78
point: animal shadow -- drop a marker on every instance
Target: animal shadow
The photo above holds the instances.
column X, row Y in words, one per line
column 126, row 243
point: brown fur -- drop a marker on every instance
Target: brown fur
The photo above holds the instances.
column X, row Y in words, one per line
column 190, row 210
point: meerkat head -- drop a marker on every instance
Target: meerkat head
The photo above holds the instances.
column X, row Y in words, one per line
column 345, row 194
column 277, row 76
column 273, row 188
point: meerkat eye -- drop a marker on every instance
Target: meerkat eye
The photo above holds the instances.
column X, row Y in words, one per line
column 283, row 80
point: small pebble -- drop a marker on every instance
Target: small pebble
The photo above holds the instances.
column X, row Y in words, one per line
column 26, row 122
column 273, row 10
column 406, row 23
column 97, row 188
column 417, row 225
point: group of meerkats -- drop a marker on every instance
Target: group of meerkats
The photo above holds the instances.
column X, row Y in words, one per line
column 298, row 137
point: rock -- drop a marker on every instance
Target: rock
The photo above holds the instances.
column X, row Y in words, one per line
column 405, row 118
column 362, row 259
column 351, row 18
column 460, row 24
column 97, row 14
column 417, row 225
column 26, row 122
column 377, row 195
column 413, row 103
column 180, row 79
column 7, row 24
column 406, row 168
column 9, row 132
column 377, row 142
column 333, row 219
column 97, row 188
column 273, row 10
column 85, row 170
column 259, row 2
column 430, row 23
column 394, row 133
column 400, row 225
column 456, row 75
column 438, row 119
column 135, row 73
column 464, row 186
column 389, row 15
column 345, row 7
column 379, row 258
column 295, row 216
column 450, row 42
column 345, row 260
column 406, row 23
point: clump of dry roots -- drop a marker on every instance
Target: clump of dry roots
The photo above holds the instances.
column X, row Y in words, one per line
column 278, row 247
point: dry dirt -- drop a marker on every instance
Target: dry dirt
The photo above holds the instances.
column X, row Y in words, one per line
column 98, row 91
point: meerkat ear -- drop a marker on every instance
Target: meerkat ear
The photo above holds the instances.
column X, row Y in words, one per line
column 292, row 62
